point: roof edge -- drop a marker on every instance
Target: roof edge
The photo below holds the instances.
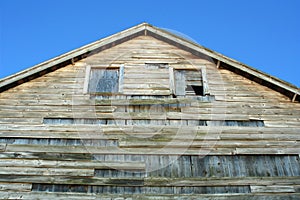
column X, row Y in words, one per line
column 218, row 56
column 144, row 27
column 69, row 55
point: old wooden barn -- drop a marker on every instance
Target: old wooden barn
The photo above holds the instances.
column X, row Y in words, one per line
column 146, row 114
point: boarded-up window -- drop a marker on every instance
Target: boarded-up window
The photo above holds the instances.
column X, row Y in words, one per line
column 104, row 80
column 188, row 82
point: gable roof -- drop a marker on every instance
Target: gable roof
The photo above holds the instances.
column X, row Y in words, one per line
column 146, row 29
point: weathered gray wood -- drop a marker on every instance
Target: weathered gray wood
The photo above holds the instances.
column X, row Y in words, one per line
column 154, row 181
column 73, row 180
column 21, row 187
column 72, row 164
column 207, row 142
column 272, row 189
column 205, row 82
column 172, row 80
column 91, row 196
column 121, row 78
column 221, row 181
column 45, row 171
column 104, row 80
column 227, row 60
column 45, row 156
column 148, row 101
column 119, row 151
column 180, row 84
column 151, row 127
column 2, row 147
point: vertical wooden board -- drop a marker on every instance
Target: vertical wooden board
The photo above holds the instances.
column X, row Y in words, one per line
column 180, row 84
column 175, row 166
column 121, row 78
column 186, row 166
column 295, row 163
column 279, row 167
column 205, row 82
column 172, row 81
column 238, row 169
column 287, row 166
column 87, row 79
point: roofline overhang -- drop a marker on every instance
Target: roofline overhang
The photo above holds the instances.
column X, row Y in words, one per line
column 146, row 29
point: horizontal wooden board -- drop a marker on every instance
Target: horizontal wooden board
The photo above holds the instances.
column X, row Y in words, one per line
column 117, row 151
column 208, row 143
column 162, row 182
column 272, row 189
column 6, row 186
column 12, row 170
column 134, row 129
column 72, row 164
column 82, row 196
column 46, row 156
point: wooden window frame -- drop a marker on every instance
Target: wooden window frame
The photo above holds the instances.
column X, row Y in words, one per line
column 88, row 71
column 204, row 80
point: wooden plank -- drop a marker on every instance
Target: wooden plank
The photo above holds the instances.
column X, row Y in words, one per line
column 238, row 134
column 45, row 156
column 180, row 84
column 116, row 151
column 207, row 142
column 39, row 163
column 150, row 116
column 149, row 76
column 224, row 181
column 160, row 182
column 21, row 187
column 145, row 86
column 134, row 129
column 2, row 147
column 162, row 91
column 58, row 135
column 87, row 79
column 49, row 195
column 249, row 137
column 93, row 196
column 121, row 78
column 172, row 81
column 45, row 171
column 270, row 150
column 272, row 189
column 116, row 102
column 130, row 181
column 146, row 81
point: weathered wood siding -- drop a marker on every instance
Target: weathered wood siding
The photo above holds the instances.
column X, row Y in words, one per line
column 59, row 139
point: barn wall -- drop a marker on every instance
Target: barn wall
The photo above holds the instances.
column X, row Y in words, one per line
column 56, row 137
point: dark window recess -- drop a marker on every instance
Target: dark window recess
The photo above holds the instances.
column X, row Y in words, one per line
column 194, row 89
column 104, row 80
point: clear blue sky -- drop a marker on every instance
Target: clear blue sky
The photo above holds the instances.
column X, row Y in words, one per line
column 264, row 34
